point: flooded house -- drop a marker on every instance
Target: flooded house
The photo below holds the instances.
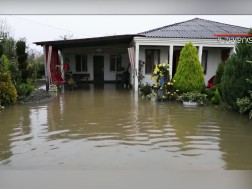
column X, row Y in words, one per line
column 121, row 58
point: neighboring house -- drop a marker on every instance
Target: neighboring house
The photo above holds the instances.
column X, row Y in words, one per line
column 106, row 58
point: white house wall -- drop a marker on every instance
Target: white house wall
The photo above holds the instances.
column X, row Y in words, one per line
column 213, row 59
column 164, row 52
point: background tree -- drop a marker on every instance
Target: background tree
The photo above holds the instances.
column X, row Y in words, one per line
column 9, row 47
column 234, row 83
column 1, row 49
column 5, row 29
column 66, row 36
column 189, row 75
column 8, row 43
column 14, row 71
column 22, row 57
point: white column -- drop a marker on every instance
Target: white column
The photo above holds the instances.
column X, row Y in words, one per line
column 200, row 53
column 232, row 50
column 45, row 67
column 61, row 64
column 170, row 59
column 61, row 69
column 136, row 67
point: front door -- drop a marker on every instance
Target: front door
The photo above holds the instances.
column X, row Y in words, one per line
column 98, row 69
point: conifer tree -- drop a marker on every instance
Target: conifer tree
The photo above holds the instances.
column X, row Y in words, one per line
column 189, row 75
column 234, row 83
column 22, row 59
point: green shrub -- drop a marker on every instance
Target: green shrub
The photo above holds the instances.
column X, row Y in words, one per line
column 40, row 70
column 245, row 105
column 209, row 93
column 24, row 89
column 216, row 99
column 8, row 47
column 237, row 70
column 146, row 89
column 189, row 75
column 193, row 97
column 219, row 73
column 32, row 72
column 8, row 93
column 5, row 62
column 15, row 74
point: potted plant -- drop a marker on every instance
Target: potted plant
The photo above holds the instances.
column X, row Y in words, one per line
column 71, row 83
column 145, row 89
column 192, row 98
column 152, row 96
column 53, row 88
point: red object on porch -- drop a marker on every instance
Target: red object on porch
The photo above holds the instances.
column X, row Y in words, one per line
column 54, row 73
column 211, row 82
column 66, row 67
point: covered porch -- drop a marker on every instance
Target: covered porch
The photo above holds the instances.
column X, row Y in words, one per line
column 93, row 60
column 159, row 50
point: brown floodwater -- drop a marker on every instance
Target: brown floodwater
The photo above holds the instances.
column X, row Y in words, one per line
column 113, row 129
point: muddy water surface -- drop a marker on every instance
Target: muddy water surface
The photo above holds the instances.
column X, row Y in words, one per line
column 109, row 129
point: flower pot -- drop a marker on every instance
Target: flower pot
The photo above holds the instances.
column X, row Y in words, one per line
column 190, row 104
column 153, row 98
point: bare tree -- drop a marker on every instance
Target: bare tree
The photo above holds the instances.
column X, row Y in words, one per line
column 66, row 36
column 5, row 29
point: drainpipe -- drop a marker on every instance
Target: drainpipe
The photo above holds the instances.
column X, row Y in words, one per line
column 136, row 67
column 45, row 67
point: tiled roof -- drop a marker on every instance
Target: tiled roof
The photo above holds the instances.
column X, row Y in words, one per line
column 195, row 28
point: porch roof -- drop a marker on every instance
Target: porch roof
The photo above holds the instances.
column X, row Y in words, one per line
column 87, row 42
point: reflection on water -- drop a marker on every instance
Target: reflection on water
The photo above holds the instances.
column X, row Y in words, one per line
column 106, row 128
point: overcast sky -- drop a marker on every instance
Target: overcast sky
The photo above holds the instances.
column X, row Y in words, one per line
column 46, row 28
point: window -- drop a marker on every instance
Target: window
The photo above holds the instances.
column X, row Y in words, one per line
column 204, row 61
column 81, row 63
column 115, row 63
column 152, row 57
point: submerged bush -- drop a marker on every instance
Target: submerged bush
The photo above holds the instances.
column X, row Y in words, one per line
column 245, row 105
column 189, row 75
column 219, row 73
column 216, row 99
column 24, row 89
column 146, row 89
